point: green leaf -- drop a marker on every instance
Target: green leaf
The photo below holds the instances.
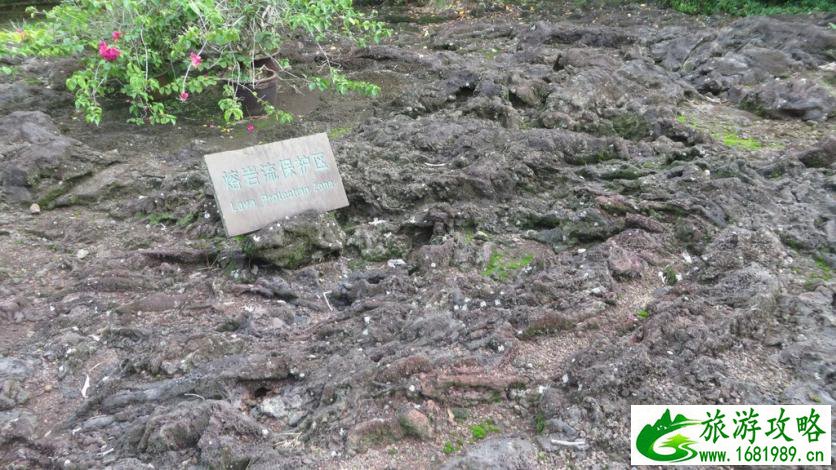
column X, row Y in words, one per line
column 158, row 36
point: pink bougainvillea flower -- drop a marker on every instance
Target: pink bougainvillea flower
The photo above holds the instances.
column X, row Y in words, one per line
column 250, row 128
column 196, row 59
column 108, row 53
column 184, row 96
column 116, row 35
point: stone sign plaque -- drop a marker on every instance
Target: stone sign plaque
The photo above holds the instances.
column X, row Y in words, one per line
column 256, row 186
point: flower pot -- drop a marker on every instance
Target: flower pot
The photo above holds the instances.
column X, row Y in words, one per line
column 263, row 89
column 252, row 93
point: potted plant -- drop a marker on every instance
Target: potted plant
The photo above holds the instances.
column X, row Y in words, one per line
column 261, row 90
column 156, row 53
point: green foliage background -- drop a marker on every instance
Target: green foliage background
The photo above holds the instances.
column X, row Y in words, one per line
column 751, row 7
column 154, row 41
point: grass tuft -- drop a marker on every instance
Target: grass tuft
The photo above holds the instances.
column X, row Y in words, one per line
column 449, row 448
column 730, row 139
column 500, row 268
column 481, row 430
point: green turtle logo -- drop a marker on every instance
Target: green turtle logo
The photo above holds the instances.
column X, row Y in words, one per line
column 680, row 444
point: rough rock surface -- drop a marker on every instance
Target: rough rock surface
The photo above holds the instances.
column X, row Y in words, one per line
column 496, row 454
column 39, row 163
column 553, row 215
column 300, row 241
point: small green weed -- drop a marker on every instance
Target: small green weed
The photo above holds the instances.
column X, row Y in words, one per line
column 491, row 53
column 500, row 268
column 246, row 244
column 187, row 219
column 540, row 423
column 730, row 139
column 643, row 313
column 156, row 218
column 481, row 431
column 826, row 272
column 723, row 133
column 669, row 276
column 338, row 132
column 449, row 448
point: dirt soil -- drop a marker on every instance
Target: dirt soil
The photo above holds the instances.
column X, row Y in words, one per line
column 555, row 212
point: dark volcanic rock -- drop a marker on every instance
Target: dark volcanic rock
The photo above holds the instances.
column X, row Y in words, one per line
column 496, row 454
column 823, row 155
column 301, row 240
column 543, row 229
column 37, row 162
column 16, row 96
column 225, row 438
column 754, row 62
column 798, row 99
column 415, row 423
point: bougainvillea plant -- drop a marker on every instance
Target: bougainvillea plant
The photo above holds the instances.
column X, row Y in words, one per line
column 158, row 52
